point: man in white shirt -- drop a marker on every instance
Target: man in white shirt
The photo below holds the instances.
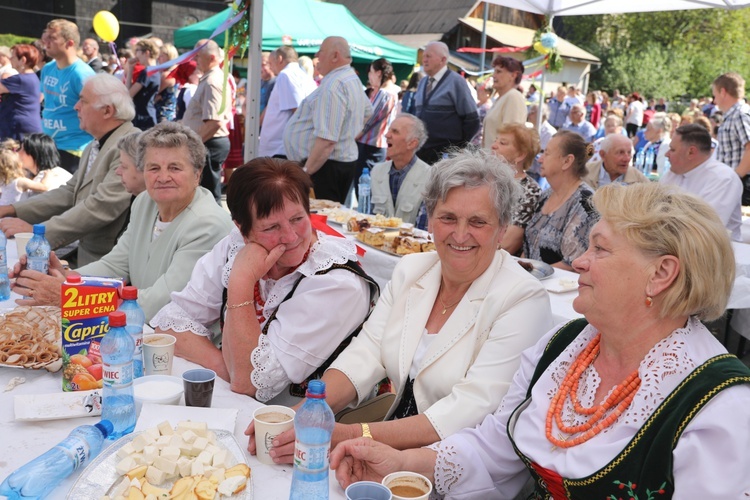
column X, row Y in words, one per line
column 694, row 171
column 292, row 85
column 573, row 97
column 634, row 114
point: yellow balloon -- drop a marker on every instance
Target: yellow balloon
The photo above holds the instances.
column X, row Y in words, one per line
column 540, row 48
column 106, row 26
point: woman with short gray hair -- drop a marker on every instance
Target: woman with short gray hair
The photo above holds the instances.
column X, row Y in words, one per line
column 449, row 328
column 128, row 171
column 658, row 136
column 172, row 224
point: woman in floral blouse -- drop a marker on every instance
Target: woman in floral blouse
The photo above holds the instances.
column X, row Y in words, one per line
column 519, row 145
column 559, row 229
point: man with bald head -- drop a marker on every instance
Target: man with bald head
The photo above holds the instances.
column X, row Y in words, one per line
column 322, row 130
column 90, row 49
column 616, row 152
column 444, row 104
column 205, row 116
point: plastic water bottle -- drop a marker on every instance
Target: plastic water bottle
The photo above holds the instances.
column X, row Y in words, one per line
column 117, row 349
column 364, row 192
column 40, row 476
column 135, row 319
column 37, row 251
column 313, row 426
column 4, row 281
column 640, row 160
column 648, row 167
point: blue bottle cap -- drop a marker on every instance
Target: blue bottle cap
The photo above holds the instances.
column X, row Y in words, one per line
column 316, row 389
column 106, row 427
column 39, row 229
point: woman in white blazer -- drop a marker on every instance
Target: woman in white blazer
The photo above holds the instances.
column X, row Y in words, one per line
column 450, row 327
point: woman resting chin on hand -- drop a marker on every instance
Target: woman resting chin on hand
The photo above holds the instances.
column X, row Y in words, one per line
column 286, row 296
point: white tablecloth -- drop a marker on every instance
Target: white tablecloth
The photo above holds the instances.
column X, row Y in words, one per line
column 22, row 441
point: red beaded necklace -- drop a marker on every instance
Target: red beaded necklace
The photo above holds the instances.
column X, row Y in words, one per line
column 614, row 406
column 259, row 302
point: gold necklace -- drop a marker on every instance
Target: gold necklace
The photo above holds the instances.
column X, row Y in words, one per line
column 445, row 308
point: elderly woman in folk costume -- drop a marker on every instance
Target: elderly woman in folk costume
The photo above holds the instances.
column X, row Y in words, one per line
column 637, row 400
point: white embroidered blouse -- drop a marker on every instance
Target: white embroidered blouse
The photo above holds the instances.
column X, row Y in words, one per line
column 710, row 461
column 308, row 327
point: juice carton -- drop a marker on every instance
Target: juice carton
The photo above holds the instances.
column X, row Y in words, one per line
column 86, row 304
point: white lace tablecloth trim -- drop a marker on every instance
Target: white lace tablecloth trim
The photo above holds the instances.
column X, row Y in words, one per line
column 665, row 365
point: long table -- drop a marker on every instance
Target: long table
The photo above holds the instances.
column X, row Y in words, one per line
column 22, row 441
column 380, row 266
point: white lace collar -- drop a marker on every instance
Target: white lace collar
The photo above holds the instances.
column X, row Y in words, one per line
column 667, row 363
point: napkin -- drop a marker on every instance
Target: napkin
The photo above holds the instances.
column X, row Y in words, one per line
column 218, row 418
column 560, row 285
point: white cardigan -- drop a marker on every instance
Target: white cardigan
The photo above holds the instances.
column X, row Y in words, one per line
column 468, row 368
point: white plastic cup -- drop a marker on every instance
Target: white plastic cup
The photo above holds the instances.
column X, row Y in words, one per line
column 270, row 421
column 21, row 240
column 158, row 353
column 367, row 490
column 411, row 480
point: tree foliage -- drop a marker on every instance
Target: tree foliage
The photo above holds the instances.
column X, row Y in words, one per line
column 662, row 54
column 10, row 40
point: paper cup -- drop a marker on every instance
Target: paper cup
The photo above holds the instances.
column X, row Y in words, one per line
column 368, row 490
column 199, row 387
column 158, row 353
column 21, row 240
column 270, row 421
column 406, row 485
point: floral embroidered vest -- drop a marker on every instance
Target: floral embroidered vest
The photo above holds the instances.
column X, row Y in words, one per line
column 643, row 470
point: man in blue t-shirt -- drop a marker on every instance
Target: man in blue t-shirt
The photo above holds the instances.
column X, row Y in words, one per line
column 62, row 81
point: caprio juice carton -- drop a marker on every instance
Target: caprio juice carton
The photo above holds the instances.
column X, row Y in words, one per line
column 86, row 304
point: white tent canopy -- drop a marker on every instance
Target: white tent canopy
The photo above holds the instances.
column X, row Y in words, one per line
column 590, row 7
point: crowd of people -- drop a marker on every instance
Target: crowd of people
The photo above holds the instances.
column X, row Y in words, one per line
column 125, row 167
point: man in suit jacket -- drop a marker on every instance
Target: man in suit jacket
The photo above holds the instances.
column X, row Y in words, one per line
column 92, row 206
column 398, row 183
column 445, row 105
column 616, row 152
column 90, row 49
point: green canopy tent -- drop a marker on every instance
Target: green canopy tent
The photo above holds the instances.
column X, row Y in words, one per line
column 304, row 24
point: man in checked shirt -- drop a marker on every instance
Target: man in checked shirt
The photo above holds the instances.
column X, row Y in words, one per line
column 734, row 133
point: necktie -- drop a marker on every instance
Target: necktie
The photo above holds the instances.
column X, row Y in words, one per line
column 430, row 83
column 92, row 156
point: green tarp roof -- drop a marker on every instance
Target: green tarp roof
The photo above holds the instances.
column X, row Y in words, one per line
column 305, row 23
